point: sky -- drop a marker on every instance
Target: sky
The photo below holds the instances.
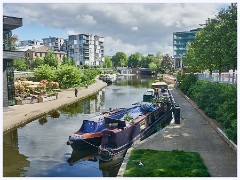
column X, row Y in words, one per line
column 126, row 27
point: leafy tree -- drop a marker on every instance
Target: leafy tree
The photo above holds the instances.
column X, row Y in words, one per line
column 147, row 60
column 68, row 76
column 44, row 71
column 167, row 62
column 10, row 41
column 38, row 62
column 72, row 61
column 158, row 60
column 134, row 60
column 51, row 59
column 215, row 46
column 119, row 59
column 66, row 61
column 153, row 66
column 20, row 64
column 107, row 62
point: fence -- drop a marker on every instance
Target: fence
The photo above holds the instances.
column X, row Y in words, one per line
column 230, row 78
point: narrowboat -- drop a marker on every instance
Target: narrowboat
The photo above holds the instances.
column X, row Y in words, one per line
column 126, row 132
column 90, row 132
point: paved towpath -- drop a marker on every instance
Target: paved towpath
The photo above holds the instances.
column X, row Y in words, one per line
column 14, row 116
column 193, row 134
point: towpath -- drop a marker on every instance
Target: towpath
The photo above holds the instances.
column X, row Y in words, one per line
column 193, row 134
column 14, row 116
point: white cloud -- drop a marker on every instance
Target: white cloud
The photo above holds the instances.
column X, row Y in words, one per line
column 86, row 19
column 154, row 23
column 134, row 28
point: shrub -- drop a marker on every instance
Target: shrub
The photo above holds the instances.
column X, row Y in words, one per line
column 218, row 101
column 186, row 81
column 69, row 76
column 44, row 72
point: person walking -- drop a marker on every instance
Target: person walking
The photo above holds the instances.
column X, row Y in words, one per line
column 76, row 92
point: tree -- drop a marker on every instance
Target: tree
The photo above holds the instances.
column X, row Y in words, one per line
column 158, row 59
column 44, row 72
column 51, row 59
column 38, row 62
column 20, row 64
column 146, row 60
column 153, row 66
column 68, row 76
column 119, row 59
column 134, row 60
column 107, row 62
column 215, row 46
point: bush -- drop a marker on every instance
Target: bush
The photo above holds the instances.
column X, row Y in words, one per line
column 69, row 76
column 44, row 72
column 186, row 81
column 218, row 101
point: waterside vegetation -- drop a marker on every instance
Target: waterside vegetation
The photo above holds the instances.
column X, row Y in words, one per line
column 217, row 100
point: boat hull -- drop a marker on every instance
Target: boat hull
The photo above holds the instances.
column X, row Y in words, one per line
column 83, row 143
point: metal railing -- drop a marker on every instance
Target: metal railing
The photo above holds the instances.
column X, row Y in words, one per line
column 230, row 78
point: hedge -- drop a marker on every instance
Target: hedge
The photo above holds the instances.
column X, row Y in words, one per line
column 217, row 100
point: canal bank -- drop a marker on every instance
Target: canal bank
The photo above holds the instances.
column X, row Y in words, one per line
column 18, row 115
column 193, row 134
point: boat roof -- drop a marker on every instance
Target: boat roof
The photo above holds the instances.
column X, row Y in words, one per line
column 160, row 83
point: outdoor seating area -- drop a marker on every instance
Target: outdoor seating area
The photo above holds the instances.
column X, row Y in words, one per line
column 29, row 92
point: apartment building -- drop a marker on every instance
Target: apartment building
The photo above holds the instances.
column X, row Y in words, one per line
column 54, row 43
column 29, row 44
column 86, row 49
column 180, row 45
column 41, row 52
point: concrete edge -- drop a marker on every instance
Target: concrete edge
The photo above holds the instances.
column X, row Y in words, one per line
column 22, row 123
column 211, row 121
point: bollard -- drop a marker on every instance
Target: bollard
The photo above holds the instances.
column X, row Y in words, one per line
column 177, row 114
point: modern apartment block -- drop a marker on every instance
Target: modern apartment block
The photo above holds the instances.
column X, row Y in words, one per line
column 86, row 49
column 29, row 44
column 54, row 43
column 180, row 42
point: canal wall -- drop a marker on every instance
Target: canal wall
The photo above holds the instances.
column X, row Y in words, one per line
column 19, row 115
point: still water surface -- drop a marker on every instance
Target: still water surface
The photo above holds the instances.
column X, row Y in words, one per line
column 39, row 148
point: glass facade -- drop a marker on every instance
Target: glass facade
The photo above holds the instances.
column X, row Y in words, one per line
column 9, row 70
column 180, row 45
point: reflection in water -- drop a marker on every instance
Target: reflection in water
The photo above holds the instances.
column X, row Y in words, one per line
column 54, row 114
column 43, row 120
column 39, row 149
column 108, row 168
column 14, row 162
column 88, row 105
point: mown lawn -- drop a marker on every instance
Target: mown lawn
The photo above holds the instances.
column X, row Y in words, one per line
column 152, row 163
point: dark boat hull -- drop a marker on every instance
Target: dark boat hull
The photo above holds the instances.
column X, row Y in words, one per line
column 83, row 143
column 118, row 141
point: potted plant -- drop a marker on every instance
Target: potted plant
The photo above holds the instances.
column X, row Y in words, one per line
column 18, row 100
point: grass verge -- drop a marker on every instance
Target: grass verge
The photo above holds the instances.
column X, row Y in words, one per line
column 153, row 163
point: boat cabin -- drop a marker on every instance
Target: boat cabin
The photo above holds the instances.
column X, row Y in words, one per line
column 148, row 95
column 159, row 85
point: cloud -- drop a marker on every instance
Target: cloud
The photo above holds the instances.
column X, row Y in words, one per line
column 86, row 19
column 134, row 28
column 154, row 23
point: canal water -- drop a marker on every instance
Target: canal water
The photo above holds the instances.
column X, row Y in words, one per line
column 39, row 149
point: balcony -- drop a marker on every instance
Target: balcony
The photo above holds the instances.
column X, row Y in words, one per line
column 11, row 23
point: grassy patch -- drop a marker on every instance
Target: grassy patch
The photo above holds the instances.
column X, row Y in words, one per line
column 152, row 163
